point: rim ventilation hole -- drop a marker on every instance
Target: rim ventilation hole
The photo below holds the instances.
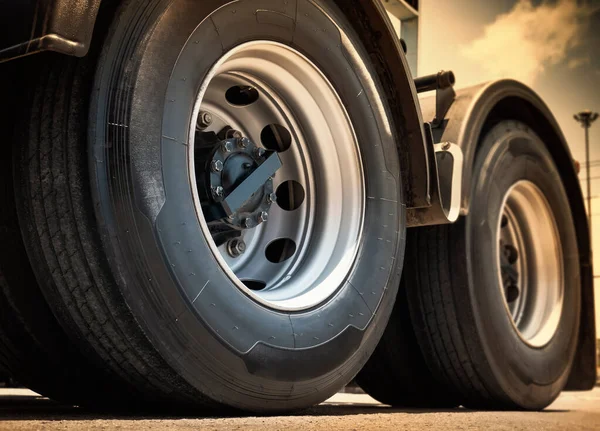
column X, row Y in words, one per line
column 290, row 195
column 241, row 95
column 280, row 250
column 275, row 137
column 254, row 284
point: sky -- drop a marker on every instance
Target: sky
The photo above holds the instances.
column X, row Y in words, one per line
column 551, row 45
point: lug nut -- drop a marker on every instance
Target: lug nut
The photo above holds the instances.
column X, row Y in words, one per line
column 249, row 223
column 263, row 217
column 272, row 198
column 227, row 147
column 216, row 166
column 205, row 119
column 236, row 247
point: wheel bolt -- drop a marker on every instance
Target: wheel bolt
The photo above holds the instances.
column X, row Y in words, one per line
column 227, row 147
column 236, row 247
column 205, row 119
column 216, row 166
column 272, row 198
column 249, row 223
column 263, row 217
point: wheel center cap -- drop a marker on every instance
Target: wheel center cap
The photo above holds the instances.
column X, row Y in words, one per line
column 240, row 182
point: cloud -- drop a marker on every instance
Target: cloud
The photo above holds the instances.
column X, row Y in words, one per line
column 574, row 63
column 525, row 41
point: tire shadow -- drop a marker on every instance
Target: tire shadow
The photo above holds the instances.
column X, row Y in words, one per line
column 34, row 407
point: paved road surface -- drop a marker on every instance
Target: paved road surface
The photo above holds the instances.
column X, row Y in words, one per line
column 21, row 409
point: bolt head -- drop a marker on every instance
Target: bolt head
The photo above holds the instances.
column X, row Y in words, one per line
column 259, row 152
column 227, row 147
column 218, row 191
column 242, row 142
column 205, row 119
column 216, row 166
column 236, row 247
column 241, row 246
column 249, row 223
column 263, row 217
column 272, row 198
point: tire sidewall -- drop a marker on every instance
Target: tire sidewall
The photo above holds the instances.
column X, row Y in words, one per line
column 218, row 338
column 532, row 377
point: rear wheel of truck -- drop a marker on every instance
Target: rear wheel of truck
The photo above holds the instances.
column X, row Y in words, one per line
column 220, row 225
column 397, row 373
column 495, row 298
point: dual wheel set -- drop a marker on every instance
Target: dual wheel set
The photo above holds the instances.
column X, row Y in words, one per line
column 207, row 211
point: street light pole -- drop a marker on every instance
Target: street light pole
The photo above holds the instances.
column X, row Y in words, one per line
column 586, row 118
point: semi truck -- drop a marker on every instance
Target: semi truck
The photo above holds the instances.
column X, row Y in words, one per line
column 242, row 205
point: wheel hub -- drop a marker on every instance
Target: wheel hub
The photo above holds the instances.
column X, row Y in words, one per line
column 530, row 265
column 237, row 183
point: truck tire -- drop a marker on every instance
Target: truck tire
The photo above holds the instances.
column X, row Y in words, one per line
column 495, row 298
column 397, row 374
column 34, row 349
column 120, row 183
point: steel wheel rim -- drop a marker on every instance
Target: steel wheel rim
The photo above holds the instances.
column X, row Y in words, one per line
column 527, row 226
column 324, row 158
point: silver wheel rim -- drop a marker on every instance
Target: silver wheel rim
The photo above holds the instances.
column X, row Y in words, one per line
column 530, row 263
column 323, row 158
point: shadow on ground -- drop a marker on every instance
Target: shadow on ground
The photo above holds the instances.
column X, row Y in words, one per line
column 31, row 407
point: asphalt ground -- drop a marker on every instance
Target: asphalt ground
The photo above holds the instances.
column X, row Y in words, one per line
column 21, row 409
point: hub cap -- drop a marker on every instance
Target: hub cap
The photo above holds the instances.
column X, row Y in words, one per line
column 277, row 175
column 530, row 263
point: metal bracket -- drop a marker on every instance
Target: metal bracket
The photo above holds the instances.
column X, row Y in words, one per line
column 446, row 167
column 443, row 84
column 32, row 26
column 450, row 161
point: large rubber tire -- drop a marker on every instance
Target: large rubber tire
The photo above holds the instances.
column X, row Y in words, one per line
column 397, row 374
column 34, row 348
column 466, row 335
column 116, row 244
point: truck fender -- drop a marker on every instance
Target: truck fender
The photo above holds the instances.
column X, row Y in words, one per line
column 67, row 26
